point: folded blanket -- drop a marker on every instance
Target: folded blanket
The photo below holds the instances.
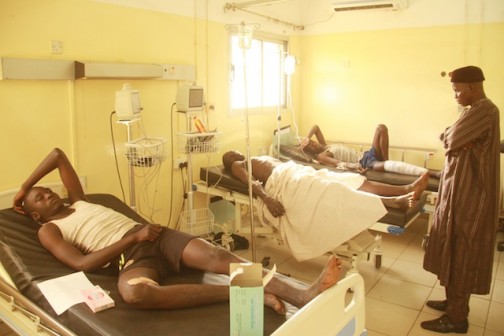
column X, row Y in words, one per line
column 323, row 209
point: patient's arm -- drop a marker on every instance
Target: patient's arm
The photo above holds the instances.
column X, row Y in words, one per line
column 50, row 237
column 354, row 167
column 315, row 130
column 327, row 158
column 274, row 206
column 55, row 160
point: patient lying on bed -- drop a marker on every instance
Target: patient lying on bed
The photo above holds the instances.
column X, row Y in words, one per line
column 377, row 158
column 321, row 206
column 88, row 236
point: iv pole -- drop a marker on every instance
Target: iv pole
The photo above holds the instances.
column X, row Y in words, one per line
column 245, row 32
column 131, row 168
column 131, row 173
column 279, row 106
column 287, row 65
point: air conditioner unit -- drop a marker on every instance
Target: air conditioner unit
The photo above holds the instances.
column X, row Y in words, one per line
column 353, row 5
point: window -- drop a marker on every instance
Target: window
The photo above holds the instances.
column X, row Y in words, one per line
column 259, row 72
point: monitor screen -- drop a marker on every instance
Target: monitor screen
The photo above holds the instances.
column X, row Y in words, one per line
column 195, row 97
column 190, row 98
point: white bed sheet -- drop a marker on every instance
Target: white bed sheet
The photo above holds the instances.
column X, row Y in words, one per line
column 322, row 210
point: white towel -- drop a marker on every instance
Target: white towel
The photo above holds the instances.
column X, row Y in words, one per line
column 321, row 212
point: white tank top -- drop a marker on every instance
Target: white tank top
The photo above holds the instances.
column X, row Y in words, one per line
column 92, row 227
column 344, row 153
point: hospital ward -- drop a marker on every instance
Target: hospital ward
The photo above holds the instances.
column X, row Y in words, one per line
column 251, row 167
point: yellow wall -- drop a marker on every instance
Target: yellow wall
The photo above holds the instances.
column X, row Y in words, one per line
column 351, row 79
column 75, row 115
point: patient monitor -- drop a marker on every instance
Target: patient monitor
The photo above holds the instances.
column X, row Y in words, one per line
column 190, row 98
column 127, row 103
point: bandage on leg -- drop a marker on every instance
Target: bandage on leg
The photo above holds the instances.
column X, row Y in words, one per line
column 403, row 168
column 139, row 280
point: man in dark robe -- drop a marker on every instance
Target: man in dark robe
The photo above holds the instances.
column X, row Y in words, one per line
column 461, row 243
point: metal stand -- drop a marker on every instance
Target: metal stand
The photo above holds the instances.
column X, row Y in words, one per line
column 190, row 195
column 245, row 33
column 141, row 152
column 131, row 169
column 198, row 222
column 249, row 163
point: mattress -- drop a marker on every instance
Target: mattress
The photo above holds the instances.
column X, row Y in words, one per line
column 28, row 264
column 219, row 177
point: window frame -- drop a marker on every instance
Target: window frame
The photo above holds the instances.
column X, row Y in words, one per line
column 262, row 108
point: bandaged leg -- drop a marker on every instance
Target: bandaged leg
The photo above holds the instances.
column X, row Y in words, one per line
column 403, row 168
column 136, row 281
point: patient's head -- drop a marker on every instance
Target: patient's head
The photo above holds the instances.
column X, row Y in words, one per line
column 313, row 147
column 41, row 204
column 230, row 157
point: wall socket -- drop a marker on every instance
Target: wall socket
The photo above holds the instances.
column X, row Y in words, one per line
column 56, row 47
column 178, row 162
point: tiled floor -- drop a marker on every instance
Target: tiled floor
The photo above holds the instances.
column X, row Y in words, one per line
column 396, row 293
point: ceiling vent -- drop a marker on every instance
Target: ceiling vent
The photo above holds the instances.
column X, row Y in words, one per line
column 355, row 5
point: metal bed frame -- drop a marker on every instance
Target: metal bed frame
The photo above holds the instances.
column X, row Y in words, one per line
column 360, row 248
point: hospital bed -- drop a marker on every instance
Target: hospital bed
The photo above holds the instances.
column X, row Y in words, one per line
column 290, row 151
column 25, row 309
column 218, row 182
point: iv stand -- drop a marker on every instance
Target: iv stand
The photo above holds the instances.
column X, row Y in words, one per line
column 245, row 34
column 249, row 163
column 279, row 112
column 131, row 171
column 190, row 196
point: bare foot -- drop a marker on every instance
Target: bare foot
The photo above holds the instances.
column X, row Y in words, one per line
column 420, row 185
column 400, row 202
column 274, row 302
column 328, row 278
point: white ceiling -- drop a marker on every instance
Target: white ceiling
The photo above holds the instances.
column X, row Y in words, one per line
column 317, row 16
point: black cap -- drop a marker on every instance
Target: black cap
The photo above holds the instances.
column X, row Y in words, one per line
column 468, row 74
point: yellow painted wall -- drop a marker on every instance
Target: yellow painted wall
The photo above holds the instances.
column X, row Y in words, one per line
column 75, row 115
column 353, row 81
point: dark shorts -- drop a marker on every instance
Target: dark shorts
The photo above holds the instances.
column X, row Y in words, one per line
column 368, row 159
column 162, row 255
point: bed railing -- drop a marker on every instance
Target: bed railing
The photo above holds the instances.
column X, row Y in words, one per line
column 25, row 317
column 361, row 146
column 340, row 311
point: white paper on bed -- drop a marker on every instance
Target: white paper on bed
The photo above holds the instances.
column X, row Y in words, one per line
column 65, row 291
column 321, row 212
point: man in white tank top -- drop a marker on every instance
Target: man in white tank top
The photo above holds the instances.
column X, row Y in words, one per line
column 146, row 250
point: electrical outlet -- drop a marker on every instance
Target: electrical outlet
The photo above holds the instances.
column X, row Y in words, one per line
column 56, row 47
column 179, row 162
